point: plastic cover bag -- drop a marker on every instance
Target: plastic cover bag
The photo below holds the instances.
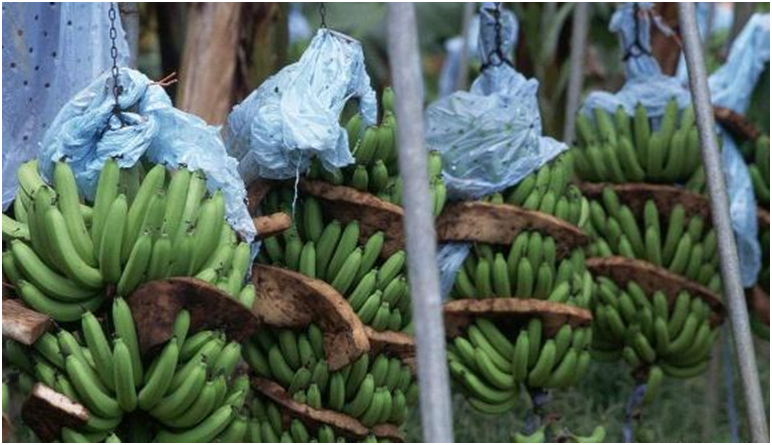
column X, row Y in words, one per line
column 293, row 116
column 645, row 82
column 490, row 137
column 44, row 64
column 86, row 133
column 742, row 209
column 731, row 86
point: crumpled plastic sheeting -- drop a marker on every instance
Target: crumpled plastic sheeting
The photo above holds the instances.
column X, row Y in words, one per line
column 45, row 62
column 645, row 82
column 491, row 136
column 731, row 86
column 293, row 116
column 742, row 209
column 86, row 133
column 450, row 257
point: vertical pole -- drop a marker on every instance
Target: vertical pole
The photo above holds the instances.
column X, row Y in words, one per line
column 463, row 71
column 421, row 239
column 130, row 20
column 730, row 270
column 579, row 29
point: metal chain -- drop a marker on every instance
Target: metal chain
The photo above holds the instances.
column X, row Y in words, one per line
column 323, row 15
column 117, row 89
column 498, row 51
column 497, row 30
column 638, row 14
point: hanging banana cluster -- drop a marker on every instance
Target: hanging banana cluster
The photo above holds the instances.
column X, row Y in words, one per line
column 266, row 425
column 530, row 269
column 190, row 390
column 377, row 289
column 759, row 327
column 65, row 256
column 686, row 247
column 652, row 333
column 376, row 170
column 757, row 155
column 490, row 368
column 548, row 190
column 491, row 359
column 619, row 148
column 374, row 390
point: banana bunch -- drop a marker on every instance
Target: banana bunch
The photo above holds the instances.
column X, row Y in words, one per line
column 664, row 336
column 527, row 269
column 189, row 390
column 758, row 326
column 540, row 436
column 266, row 425
column 548, row 190
column 140, row 227
column 620, row 148
column 228, row 267
column 375, row 151
column 757, row 155
column 490, row 368
column 374, row 390
column 376, row 289
column 686, row 247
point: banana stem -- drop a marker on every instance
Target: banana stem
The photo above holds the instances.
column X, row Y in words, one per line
column 539, row 399
column 633, row 411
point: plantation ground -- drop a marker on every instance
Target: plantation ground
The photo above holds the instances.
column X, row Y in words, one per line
column 678, row 415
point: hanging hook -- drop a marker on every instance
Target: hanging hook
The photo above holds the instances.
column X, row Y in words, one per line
column 117, row 88
column 637, row 48
column 323, row 15
column 498, row 51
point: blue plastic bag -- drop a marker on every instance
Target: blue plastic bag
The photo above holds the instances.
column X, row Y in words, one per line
column 731, row 86
column 45, row 62
column 645, row 82
column 293, row 116
column 86, row 133
column 490, row 137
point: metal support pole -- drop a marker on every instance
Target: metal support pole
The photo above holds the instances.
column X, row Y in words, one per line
column 421, row 239
column 579, row 30
column 730, row 270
